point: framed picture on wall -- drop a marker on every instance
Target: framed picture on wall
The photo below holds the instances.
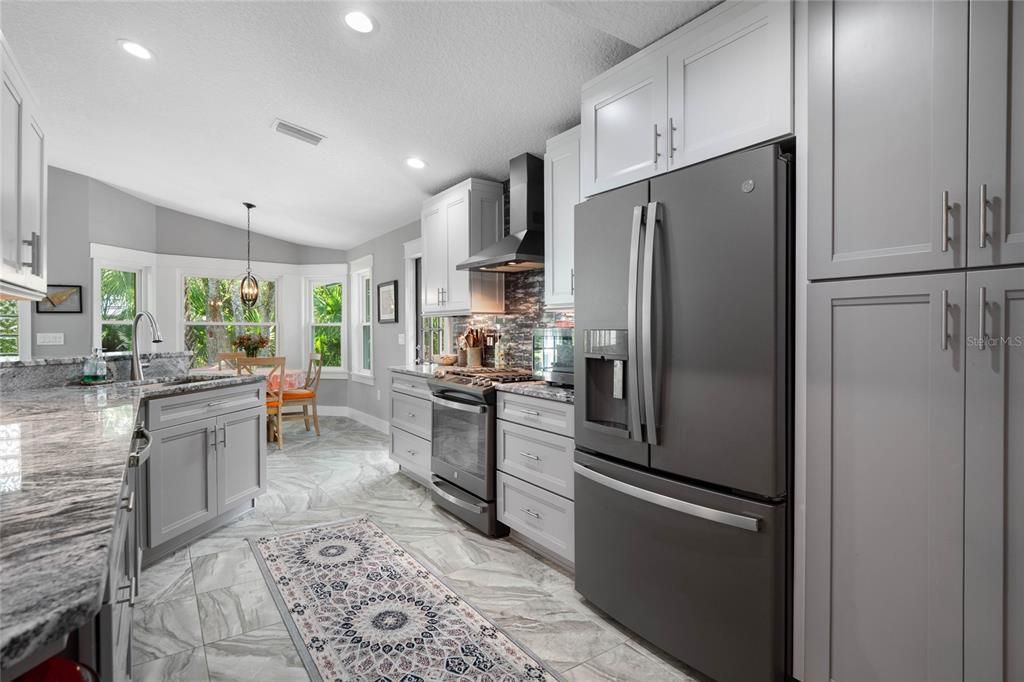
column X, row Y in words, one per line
column 61, row 298
column 387, row 302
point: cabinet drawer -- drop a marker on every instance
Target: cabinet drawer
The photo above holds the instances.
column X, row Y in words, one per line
column 411, row 452
column 538, row 457
column 536, row 412
column 411, row 414
column 410, row 385
column 545, row 518
column 181, row 409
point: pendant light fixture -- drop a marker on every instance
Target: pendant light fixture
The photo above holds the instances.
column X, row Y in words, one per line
column 250, row 288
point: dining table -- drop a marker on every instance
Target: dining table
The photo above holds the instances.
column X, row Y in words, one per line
column 293, row 378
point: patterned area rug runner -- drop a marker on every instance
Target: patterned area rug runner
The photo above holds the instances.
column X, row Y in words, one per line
column 359, row 607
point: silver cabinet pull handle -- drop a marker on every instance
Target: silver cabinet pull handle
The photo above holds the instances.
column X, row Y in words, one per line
column 944, row 233
column 671, row 139
column 944, row 326
column 532, row 413
column 572, row 280
column 130, row 507
column 742, row 521
column 214, row 403
column 656, row 152
column 410, row 452
column 982, row 304
column 530, row 512
column 224, row 435
column 33, row 244
column 983, row 217
column 527, row 455
column 411, row 415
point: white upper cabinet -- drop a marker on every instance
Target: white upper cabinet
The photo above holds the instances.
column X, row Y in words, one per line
column 730, row 82
column 720, row 83
column 22, row 186
column 561, row 194
column 456, row 224
column 623, row 121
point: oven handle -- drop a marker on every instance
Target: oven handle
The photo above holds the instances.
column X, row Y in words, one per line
column 748, row 523
column 461, row 504
column 465, row 407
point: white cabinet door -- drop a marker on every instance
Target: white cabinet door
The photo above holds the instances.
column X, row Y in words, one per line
column 10, row 193
column 730, row 81
column 623, row 125
column 561, row 194
column 241, row 457
column 434, row 264
column 455, row 295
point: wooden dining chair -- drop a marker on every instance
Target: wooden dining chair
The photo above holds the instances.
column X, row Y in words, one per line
column 229, row 361
column 275, row 388
column 305, row 397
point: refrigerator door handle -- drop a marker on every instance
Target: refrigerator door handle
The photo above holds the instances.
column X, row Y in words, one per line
column 647, row 322
column 633, row 367
column 741, row 521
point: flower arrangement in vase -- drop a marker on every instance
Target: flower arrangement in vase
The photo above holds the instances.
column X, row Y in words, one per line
column 251, row 344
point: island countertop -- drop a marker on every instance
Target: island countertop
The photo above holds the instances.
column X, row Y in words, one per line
column 63, row 453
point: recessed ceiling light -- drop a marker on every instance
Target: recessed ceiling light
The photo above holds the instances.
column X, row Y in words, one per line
column 417, row 163
column 358, row 21
column 135, row 50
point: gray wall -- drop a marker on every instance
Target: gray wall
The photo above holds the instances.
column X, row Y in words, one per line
column 388, row 264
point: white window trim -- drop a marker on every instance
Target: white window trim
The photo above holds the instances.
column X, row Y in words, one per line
column 360, row 269
column 142, row 263
column 413, row 250
column 24, row 330
column 308, row 283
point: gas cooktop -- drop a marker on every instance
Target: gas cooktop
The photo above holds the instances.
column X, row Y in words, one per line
column 477, row 381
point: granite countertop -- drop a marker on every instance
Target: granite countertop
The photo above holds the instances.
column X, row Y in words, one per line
column 62, row 457
column 416, row 370
column 79, row 359
column 540, row 389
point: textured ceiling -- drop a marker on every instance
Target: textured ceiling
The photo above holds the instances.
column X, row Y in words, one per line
column 465, row 85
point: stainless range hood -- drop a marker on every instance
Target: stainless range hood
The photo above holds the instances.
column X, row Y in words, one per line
column 523, row 249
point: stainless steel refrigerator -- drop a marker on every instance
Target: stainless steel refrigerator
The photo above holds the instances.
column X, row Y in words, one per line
column 684, row 414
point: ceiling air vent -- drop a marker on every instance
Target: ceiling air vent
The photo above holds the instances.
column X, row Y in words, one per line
column 298, row 132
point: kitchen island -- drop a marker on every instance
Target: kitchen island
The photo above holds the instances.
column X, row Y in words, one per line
column 63, row 457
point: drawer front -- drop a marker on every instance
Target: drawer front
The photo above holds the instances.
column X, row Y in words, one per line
column 410, row 385
column 181, row 409
column 545, row 518
column 538, row 457
column 411, row 452
column 411, row 414
column 536, row 412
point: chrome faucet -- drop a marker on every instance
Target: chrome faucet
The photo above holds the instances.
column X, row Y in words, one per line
column 136, row 362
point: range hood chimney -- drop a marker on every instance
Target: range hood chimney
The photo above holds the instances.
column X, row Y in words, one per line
column 523, row 249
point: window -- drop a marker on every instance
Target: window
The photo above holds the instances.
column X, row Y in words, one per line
column 119, row 291
column 326, row 332
column 361, row 326
column 433, row 338
column 214, row 316
column 10, row 330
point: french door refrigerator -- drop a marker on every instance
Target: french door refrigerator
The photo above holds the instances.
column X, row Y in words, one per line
column 684, row 411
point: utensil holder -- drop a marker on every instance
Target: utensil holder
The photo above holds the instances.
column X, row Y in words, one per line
column 474, row 356
column 461, row 362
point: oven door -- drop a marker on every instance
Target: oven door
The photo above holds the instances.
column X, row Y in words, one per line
column 462, row 447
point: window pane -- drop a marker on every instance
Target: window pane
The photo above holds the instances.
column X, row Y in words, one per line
column 327, row 342
column 367, row 349
column 117, row 294
column 9, row 328
column 116, row 337
column 206, row 341
column 327, row 301
column 367, row 302
column 8, row 308
column 8, row 346
column 210, row 299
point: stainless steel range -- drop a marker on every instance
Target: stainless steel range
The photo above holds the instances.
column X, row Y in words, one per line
column 462, row 463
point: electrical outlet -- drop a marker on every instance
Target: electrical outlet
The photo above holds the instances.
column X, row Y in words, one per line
column 401, row 339
column 51, row 339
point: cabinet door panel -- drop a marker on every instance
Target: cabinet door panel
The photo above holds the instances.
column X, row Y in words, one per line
column 435, row 258
column 995, row 231
column 885, row 472
column 561, row 194
column 241, row 456
column 10, row 190
column 33, row 199
column 456, row 220
column 993, row 507
column 750, row 49
column 182, row 479
column 623, row 126
column 888, row 135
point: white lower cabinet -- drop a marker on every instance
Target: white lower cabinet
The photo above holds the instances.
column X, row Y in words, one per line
column 411, row 425
column 535, row 479
column 411, row 452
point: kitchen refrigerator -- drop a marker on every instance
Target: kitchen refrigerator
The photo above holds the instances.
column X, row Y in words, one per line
column 684, row 417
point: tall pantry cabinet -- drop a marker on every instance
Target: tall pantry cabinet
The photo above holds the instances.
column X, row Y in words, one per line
column 915, row 437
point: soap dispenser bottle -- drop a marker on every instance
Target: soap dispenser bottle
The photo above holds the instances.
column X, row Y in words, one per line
column 100, row 366
column 89, row 369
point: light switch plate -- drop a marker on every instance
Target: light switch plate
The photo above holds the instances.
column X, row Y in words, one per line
column 401, row 339
column 50, row 339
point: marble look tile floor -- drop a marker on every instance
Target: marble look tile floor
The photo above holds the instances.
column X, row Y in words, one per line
column 204, row 613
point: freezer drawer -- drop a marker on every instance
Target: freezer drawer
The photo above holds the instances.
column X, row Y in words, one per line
column 701, row 574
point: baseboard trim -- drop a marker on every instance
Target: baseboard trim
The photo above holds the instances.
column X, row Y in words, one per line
column 375, row 423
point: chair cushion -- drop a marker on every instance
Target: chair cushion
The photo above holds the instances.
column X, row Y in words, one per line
column 299, row 394
column 272, row 403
